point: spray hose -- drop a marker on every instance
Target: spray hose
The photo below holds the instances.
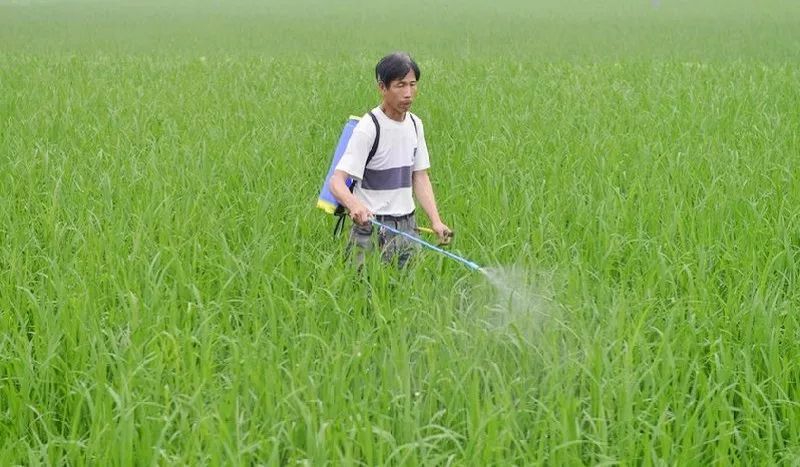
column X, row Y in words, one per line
column 435, row 248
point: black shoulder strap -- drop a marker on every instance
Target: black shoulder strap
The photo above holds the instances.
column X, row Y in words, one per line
column 373, row 150
column 414, row 121
column 377, row 138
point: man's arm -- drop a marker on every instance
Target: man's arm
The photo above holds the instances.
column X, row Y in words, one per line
column 358, row 212
column 423, row 191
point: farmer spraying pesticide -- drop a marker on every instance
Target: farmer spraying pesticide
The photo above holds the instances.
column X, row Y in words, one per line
column 384, row 167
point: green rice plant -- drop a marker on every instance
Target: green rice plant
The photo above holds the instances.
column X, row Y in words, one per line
column 169, row 295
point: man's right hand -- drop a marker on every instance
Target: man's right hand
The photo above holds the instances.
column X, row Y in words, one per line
column 360, row 214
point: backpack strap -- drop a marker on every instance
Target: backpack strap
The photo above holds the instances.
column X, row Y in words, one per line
column 377, row 139
column 337, row 229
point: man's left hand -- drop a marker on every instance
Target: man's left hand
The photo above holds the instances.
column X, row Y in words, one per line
column 443, row 232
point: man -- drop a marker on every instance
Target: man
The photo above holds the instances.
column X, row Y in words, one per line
column 397, row 172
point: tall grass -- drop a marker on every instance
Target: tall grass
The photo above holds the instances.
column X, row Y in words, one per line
column 169, row 295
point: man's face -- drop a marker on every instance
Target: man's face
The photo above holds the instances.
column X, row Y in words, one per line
column 399, row 94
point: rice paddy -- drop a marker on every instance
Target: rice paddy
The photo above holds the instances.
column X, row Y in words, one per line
column 169, row 295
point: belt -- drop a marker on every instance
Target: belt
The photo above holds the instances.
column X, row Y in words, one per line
column 385, row 217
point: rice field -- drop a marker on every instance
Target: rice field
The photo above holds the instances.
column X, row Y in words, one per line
column 627, row 171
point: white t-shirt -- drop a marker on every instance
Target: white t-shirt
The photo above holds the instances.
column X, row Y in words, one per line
column 385, row 186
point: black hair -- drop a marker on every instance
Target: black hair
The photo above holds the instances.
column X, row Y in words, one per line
column 395, row 66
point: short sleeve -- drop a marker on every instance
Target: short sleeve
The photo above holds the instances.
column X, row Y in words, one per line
column 355, row 155
column 422, row 159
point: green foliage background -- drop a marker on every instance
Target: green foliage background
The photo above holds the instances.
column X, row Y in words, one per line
column 169, row 294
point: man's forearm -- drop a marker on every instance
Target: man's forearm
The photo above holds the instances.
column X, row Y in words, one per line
column 423, row 191
column 339, row 189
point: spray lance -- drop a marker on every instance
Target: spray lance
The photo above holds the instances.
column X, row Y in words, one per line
column 435, row 248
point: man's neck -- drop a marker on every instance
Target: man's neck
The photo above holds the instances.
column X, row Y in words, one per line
column 396, row 116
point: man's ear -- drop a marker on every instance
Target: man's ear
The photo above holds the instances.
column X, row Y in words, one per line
column 381, row 86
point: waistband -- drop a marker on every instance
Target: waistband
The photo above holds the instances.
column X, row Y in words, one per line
column 385, row 217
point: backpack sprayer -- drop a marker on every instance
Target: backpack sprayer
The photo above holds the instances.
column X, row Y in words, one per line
column 326, row 201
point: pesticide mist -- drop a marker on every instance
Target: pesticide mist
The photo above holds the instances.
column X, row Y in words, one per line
column 519, row 300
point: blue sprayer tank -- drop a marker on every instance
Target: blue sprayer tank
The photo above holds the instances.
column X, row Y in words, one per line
column 326, row 201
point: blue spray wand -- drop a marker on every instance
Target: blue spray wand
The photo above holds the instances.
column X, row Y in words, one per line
column 435, row 248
